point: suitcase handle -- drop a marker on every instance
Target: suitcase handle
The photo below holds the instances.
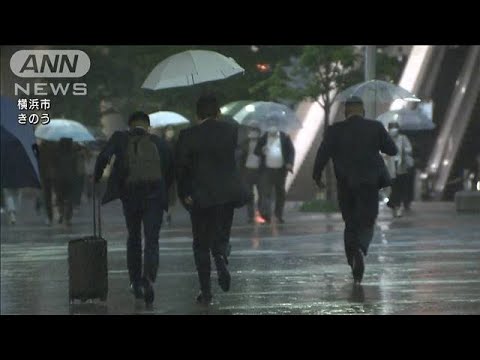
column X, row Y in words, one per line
column 95, row 213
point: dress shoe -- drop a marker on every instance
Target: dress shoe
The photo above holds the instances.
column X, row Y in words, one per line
column 204, row 299
column 137, row 291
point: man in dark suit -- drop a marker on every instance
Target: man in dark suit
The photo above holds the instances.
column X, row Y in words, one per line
column 277, row 154
column 209, row 186
column 354, row 146
column 142, row 173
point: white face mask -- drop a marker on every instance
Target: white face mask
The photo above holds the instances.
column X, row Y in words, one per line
column 272, row 130
column 253, row 135
column 394, row 132
column 169, row 134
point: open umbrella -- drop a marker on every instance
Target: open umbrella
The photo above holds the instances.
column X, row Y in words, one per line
column 409, row 120
column 189, row 68
column 165, row 118
column 377, row 91
column 261, row 112
column 63, row 128
column 19, row 164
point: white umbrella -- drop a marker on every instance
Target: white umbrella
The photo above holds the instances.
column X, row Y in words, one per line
column 63, row 128
column 165, row 118
column 189, row 68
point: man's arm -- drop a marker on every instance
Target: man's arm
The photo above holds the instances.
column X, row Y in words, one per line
column 290, row 153
column 104, row 157
column 323, row 155
column 387, row 145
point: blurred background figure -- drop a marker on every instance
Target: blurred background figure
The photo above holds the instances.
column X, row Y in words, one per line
column 249, row 164
column 170, row 138
column 12, row 201
column 80, row 154
column 66, row 167
column 110, row 118
column 399, row 167
column 47, row 154
column 277, row 156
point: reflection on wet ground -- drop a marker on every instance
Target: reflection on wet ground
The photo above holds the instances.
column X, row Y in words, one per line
column 424, row 263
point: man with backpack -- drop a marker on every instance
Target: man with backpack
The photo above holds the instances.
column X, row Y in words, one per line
column 142, row 173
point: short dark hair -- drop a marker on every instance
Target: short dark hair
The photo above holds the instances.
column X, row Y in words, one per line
column 207, row 106
column 139, row 116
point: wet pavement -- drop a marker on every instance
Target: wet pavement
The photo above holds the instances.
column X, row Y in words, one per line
column 425, row 263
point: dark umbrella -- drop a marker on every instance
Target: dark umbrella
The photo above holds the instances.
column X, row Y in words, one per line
column 19, row 164
column 17, row 169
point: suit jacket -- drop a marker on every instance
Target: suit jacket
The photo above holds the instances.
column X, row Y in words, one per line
column 205, row 164
column 117, row 145
column 354, row 146
column 288, row 150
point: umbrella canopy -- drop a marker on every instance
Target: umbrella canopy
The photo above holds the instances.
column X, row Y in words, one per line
column 409, row 120
column 63, row 128
column 262, row 113
column 165, row 118
column 18, row 157
column 377, row 91
column 18, row 171
column 189, row 68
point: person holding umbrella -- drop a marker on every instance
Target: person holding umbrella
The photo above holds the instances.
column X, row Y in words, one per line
column 277, row 153
column 19, row 157
column 399, row 167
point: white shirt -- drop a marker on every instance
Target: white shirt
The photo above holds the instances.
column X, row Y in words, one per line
column 253, row 161
column 273, row 152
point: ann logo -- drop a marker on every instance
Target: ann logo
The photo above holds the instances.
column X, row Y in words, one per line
column 58, row 64
column 50, row 63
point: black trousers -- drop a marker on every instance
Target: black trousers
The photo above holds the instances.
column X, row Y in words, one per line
column 359, row 206
column 251, row 178
column 149, row 211
column 400, row 191
column 211, row 229
column 272, row 178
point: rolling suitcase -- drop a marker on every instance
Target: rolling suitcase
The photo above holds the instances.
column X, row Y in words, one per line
column 87, row 263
